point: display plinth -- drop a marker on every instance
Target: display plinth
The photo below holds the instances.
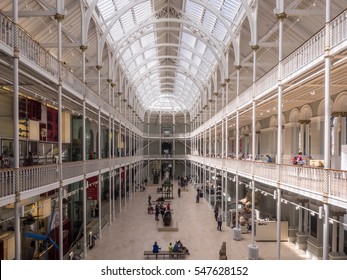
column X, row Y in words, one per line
column 253, row 252
column 172, row 227
column 237, row 233
column 301, row 240
column 292, row 231
column 337, row 256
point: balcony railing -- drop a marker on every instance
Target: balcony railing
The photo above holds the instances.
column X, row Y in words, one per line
column 298, row 178
column 37, row 176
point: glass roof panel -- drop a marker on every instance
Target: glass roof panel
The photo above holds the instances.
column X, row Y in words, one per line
column 191, row 67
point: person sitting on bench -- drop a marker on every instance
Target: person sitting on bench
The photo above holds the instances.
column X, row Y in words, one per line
column 156, row 247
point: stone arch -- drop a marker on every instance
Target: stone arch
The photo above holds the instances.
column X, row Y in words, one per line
column 258, row 126
column 294, row 116
column 340, row 104
column 320, row 111
column 273, row 121
column 305, row 113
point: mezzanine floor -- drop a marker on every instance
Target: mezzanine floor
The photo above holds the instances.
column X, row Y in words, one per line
column 134, row 231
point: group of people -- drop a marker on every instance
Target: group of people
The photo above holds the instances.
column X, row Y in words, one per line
column 298, row 159
column 177, row 247
column 159, row 209
column 7, row 161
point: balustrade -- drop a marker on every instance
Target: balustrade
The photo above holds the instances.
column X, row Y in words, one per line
column 305, row 178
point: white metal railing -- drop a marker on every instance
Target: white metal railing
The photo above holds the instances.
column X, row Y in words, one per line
column 266, row 171
column 6, row 28
column 309, row 51
column 338, row 183
column 92, row 166
column 72, row 169
column 37, row 176
column 339, row 29
column 310, row 179
column 6, row 182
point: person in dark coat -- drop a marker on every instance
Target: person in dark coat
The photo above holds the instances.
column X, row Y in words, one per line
column 216, row 212
column 157, row 212
column 219, row 222
column 156, row 247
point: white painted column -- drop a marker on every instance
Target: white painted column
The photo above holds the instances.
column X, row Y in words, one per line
column 15, row 61
column 341, row 235
column 327, row 114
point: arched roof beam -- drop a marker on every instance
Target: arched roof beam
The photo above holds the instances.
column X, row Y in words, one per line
column 199, row 83
column 219, row 54
column 156, row 99
column 176, row 89
column 163, row 45
column 204, row 3
column 132, row 72
column 219, row 62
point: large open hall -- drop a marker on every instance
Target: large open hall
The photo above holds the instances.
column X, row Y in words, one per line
column 176, row 130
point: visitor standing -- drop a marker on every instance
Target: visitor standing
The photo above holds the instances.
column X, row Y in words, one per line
column 157, row 212
column 219, row 222
column 216, row 212
column 179, row 192
column 149, row 200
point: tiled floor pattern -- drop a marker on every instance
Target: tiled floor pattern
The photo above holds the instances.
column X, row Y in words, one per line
column 134, row 231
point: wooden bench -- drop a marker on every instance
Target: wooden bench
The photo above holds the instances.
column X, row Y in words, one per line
column 164, row 253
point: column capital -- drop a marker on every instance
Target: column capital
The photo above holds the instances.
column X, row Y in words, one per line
column 223, row 85
column 304, row 121
column 59, row 17
column 16, row 53
column 119, row 93
column 339, row 114
column 238, row 67
column 109, row 81
column 113, row 85
column 83, row 48
column 98, row 67
column 215, row 93
column 337, row 213
column 227, row 80
column 255, row 47
column 281, row 16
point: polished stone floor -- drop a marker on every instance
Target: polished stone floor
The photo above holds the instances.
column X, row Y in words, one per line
column 134, row 231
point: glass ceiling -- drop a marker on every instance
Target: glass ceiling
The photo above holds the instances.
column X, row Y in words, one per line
column 168, row 48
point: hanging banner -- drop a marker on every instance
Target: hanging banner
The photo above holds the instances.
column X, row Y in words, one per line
column 92, row 190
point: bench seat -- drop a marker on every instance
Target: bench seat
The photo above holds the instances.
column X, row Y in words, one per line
column 163, row 253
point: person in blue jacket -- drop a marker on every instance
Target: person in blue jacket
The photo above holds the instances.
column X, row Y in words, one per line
column 156, row 247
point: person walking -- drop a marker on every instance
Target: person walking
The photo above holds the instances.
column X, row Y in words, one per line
column 216, row 212
column 179, row 192
column 149, row 200
column 197, row 197
column 219, row 222
column 156, row 212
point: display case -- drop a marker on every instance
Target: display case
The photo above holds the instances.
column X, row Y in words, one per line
column 267, row 230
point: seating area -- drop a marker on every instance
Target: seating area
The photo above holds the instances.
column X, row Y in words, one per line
column 164, row 253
